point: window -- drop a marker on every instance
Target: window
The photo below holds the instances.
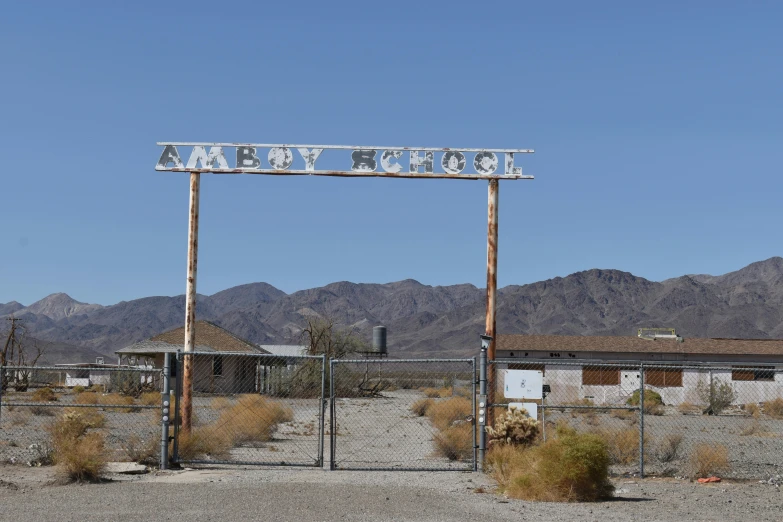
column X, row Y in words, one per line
column 600, row 376
column 217, row 365
column 525, row 366
column 753, row 373
column 663, row 377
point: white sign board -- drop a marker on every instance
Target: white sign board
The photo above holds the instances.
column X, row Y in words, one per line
column 531, row 407
column 523, row 384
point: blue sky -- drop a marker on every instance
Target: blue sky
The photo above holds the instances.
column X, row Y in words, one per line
column 657, row 130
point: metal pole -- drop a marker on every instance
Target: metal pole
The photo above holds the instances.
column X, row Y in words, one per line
column 2, row 381
column 332, row 420
column 165, row 404
column 473, row 395
column 177, row 410
column 483, row 409
column 322, row 413
column 641, row 420
column 190, row 303
column 492, row 285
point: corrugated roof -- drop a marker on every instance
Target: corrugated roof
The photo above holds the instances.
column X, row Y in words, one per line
column 288, row 350
column 209, row 338
column 631, row 344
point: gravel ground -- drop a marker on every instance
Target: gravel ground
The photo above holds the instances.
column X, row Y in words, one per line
column 311, row 494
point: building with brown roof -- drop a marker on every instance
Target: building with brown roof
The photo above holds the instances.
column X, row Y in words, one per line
column 608, row 369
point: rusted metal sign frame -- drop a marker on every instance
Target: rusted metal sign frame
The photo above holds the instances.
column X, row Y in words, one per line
column 364, row 162
column 195, row 174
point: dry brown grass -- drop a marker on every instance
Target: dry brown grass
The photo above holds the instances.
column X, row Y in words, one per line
column 455, row 442
column 444, row 414
column 78, row 455
column 76, row 390
column 774, row 408
column 757, row 429
column 669, row 447
column 115, row 399
column 44, row 395
column 752, row 409
column 688, row 408
column 150, row 399
column 708, row 459
column 569, row 468
column 206, row 442
column 254, row 418
column 421, row 406
column 90, row 416
column 623, row 444
column 438, row 393
column 86, row 398
column 220, row 403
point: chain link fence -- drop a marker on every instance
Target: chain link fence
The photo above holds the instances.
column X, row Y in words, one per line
column 254, row 409
column 691, row 419
column 391, row 414
column 121, row 404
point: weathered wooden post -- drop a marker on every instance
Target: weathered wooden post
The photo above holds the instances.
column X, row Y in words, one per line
column 190, row 304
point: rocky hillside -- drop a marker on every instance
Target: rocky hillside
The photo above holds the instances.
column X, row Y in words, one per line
column 442, row 320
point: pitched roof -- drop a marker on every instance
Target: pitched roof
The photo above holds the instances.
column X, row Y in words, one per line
column 630, row 344
column 209, row 338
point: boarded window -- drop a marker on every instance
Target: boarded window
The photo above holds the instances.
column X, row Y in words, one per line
column 600, row 376
column 524, row 366
column 753, row 373
column 663, row 377
column 217, row 365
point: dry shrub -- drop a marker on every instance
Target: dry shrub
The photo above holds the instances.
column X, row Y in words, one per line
column 444, row 414
column 90, row 416
column 76, row 390
column 42, row 411
column 708, row 459
column 751, row 409
column 220, row 403
column 436, row 393
column 44, row 395
column 96, row 388
column 204, row 442
column 79, row 455
column 515, row 427
column 757, row 429
column 254, row 418
column 115, row 399
column 623, row 445
column 668, row 448
column 569, row 468
column 630, row 415
column 142, row 451
column 774, row 408
column 150, row 399
column 420, row 407
column 455, row 442
column 688, row 408
column 87, row 397
column 462, row 391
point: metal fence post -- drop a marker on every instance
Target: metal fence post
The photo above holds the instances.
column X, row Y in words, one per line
column 177, row 410
column 473, row 395
column 165, row 410
column 322, row 413
column 332, row 422
column 483, row 407
column 2, row 382
column 641, row 420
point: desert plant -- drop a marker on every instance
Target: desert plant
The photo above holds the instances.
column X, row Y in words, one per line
column 419, row 408
column 204, row 442
column 90, row 416
column 79, row 455
column 688, row 408
column 623, row 444
column 142, row 451
column 254, row 418
column 708, row 459
column 432, row 393
column 717, row 395
column 515, row 427
column 42, row 411
column 653, row 402
column 76, row 390
column 668, row 448
column 87, row 397
column 774, row 408
column 150, row 399
column 115, row 399
column 570, row 467
column 757, row 429
column 455, row 442
column 44, row 395
column 446, row 413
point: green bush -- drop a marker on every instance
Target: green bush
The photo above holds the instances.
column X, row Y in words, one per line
column 651, row 398
column 571, row 467
column 718, row 395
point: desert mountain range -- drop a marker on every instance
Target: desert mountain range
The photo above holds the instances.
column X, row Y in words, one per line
column 431, row 320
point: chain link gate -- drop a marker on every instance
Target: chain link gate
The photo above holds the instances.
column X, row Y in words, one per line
column 253, row 409
column 405, row 414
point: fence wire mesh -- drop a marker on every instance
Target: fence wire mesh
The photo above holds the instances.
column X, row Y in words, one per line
column 690, row 421
column 255, row 409
column 402, row 414
column 121, row 405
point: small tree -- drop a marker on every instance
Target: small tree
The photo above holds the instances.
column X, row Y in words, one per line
column 717, row 395
column 19, row 350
